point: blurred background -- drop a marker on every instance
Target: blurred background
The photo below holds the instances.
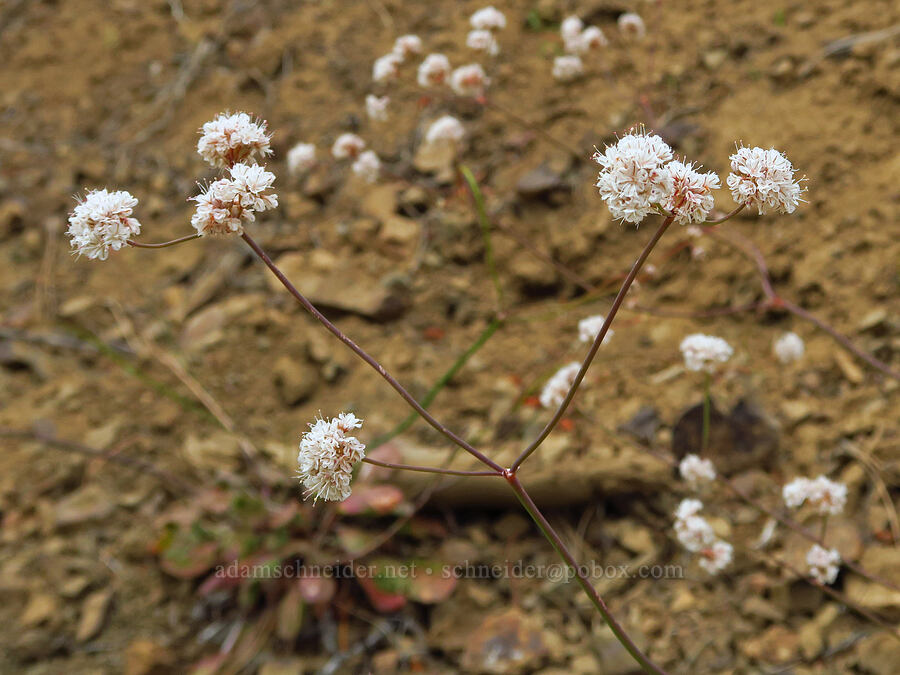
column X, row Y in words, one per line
column 151, row 404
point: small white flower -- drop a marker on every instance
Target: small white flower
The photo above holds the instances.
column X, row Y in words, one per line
column 823, row 564
column 567, row 68
column 433, row 71
column 228, row 203
column 764, row 179
column 469, row 80
column 327, row 457
column 789, row 348
column 407, row 45
column 301, row 158
column 232, row 138
column 695, row 470
column 703, row 352
column 558, row 386
column 367, row 166
column 632, row 26
column 827, row 496
column 691, row 199
column 483, row 41
column 687, row 508
column 377, row 107
column 446, row 129
column 592, row 38
column 347, row 146
column 716, row 557
column 102, row 221
column 694, row 533
column 634, row 179
column 488, row 18
column 386, row 67
column 570, row 29
column 589, row 328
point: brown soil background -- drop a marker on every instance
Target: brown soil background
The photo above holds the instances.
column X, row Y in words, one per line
column 112, row 95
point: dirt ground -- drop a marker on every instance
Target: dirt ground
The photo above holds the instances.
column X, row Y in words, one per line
column 191, row 373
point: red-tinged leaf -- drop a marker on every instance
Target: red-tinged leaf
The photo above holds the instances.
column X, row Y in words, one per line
column 531, row 402
column 290, row 615
column 431, row 583
column 354, row 540
column 378, row 499
column 381, row 600
column 190, row 562
column 434, row 333
column 283, row 514
column 316, row 590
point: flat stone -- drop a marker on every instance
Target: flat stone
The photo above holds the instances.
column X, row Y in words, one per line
column 296, row 379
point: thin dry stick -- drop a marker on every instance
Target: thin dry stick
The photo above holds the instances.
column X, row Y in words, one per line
column 620, row 297
column 168, row 480
column 361, row 353
column 165, row 244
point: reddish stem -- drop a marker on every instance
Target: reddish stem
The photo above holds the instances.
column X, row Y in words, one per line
column 428, row 469
column 165, row 244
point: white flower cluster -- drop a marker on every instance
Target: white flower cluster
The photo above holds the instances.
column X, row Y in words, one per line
column 634, row 179
column 567, row 68
column 228, row 203
column 483, row 41
column 632, row 26
column 827, row 496
column 327, row 457
column 697, row 536
column 823, row 564
column 764, row 179
column 703, row 352
column 433, row 71
column 102, row 221
column 469, row 80
column 233, row 138
column 577, row 39
column 691, row 199
column 377, row 107
column 789, row 348
column 554, row 392
column 696, row 470
column 347, row 146
column 488, row 18
column 407, row 45
column 589, row 328
column 445, row 129
column 387, row 67
column 301, row 158
column 367, row 166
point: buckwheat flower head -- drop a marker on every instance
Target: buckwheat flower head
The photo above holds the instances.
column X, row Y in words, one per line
column 764, row 179
column 694, row 533
column 632, row 26
column 687, row 508
column 788, row 348
column 327, row 456
column 469, row 80
column 716, row 557
column 367, row 166
column 484, row 41
column 554, row 392
column 433, row 71
column 695, row 470
column 407, row 45
column 823, row 564
column 827, row 496
column 102, row 221
column 445, row 129
column 633, row 178
column 232, row 138
column 228, row 203
column 488, row 18
column 570, row 29
column 301, row 158
column 691, row 199
column 347, row 146
column 567, row 68
column 703, row 352
column 386, row 67
column 589, row 328
column 376, row 107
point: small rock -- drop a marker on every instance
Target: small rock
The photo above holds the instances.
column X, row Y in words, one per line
column 848, row 366
column 145, row 657
column 93, row 614
column 400, row 231
column 220, row 450
column 296, row 379
column 777, row 644
column 437, row 159
column 541, row 182
column 41, row 607
column 508, row 642
column 714, row 58
column 879, row 654
column 291, row 666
